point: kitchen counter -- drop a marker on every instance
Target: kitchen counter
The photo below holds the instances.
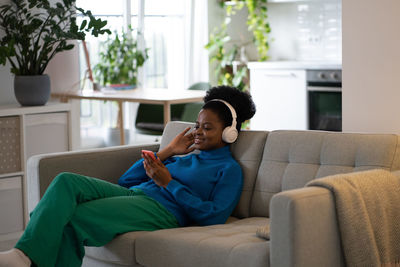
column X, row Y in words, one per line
column 301, row 65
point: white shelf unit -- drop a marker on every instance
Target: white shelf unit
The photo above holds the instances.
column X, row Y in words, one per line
column 24, row 132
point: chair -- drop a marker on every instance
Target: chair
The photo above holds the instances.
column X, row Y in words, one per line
column 150, row 118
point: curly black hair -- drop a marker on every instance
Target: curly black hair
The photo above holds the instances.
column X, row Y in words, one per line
column 242, row 102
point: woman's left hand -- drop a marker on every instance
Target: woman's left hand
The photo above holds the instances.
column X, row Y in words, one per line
column 156, row 170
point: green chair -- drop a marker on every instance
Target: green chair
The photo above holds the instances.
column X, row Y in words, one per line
column 191, row 111
column 150, row 117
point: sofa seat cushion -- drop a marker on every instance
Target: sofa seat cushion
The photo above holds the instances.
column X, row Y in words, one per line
column 232, row 244
column 120, row 251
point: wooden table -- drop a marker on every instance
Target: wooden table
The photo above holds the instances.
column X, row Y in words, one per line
column 163, row 97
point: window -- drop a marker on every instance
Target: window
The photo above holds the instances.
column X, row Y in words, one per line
column 166, row 27
column 163, row 29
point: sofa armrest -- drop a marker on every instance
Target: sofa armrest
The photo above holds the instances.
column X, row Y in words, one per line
column 304, row 229
column 104, row 163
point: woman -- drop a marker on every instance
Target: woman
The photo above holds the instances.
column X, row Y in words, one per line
column 161, row 193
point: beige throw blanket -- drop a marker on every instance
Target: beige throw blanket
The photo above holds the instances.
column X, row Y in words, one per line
column 368, row 213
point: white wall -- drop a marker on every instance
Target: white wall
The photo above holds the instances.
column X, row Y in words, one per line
column 284, row 31
column 6, row 79
column 371, row 66
column 63, row 70
column 6, row 86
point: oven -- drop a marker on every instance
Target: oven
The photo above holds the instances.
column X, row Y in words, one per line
column 324, row 92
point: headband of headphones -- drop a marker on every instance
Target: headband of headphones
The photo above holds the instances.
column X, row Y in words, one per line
column 233, row 112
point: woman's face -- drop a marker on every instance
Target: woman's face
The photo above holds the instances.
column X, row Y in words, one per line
column 208, row 131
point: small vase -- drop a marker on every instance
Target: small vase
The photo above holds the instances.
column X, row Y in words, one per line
column 32, row 90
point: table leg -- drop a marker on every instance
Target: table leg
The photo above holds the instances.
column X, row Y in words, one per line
column 167, row 113
column 120, row 122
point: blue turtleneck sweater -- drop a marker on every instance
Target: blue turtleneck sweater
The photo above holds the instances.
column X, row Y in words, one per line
column 205, row 187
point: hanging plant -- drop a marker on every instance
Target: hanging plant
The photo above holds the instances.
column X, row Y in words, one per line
column 224, row 58
column 259, row 25
column 229, row 70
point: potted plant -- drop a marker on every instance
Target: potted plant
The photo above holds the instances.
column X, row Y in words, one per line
column 34, row 32
column 119, row 61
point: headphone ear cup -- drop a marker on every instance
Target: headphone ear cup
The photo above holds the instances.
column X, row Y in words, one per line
column 230, row 134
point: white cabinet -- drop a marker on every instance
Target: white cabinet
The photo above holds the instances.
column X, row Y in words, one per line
column 280, row 97
column 46, row 133
column 24, row 132
column 11, row 205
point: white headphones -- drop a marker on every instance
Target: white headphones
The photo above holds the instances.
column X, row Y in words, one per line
column 230, row 133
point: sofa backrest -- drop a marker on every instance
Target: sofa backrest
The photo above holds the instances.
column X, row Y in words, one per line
column 282, row 160
column 247, row 150
column 172, row 129
column 293, row 158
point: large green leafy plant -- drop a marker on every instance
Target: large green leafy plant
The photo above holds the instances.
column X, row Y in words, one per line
column 229, row 70
column 119, row 61
column 35, row 31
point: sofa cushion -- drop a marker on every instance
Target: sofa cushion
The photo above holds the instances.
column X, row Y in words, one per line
column 231, row 244
column 293, row 158
column 120, row 251
column 247, row 150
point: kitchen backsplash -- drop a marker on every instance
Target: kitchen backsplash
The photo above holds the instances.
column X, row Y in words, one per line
column 319, row 32
column 306, row 30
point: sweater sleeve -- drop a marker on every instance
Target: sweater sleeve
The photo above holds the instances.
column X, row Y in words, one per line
column 223, row 199
column 135, row 175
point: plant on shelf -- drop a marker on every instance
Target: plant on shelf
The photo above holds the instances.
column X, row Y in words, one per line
column 119, row 61
column 34, row 32
column 231, row 68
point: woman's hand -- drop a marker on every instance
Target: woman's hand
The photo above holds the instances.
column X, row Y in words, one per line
column 156, row 170
column 180, row 145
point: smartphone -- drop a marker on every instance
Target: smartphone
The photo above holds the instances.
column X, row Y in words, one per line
column 149, row 153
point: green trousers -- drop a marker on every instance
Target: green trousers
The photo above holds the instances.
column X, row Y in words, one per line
column 78, row 211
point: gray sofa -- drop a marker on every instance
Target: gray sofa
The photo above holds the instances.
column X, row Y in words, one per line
column 276, row 167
